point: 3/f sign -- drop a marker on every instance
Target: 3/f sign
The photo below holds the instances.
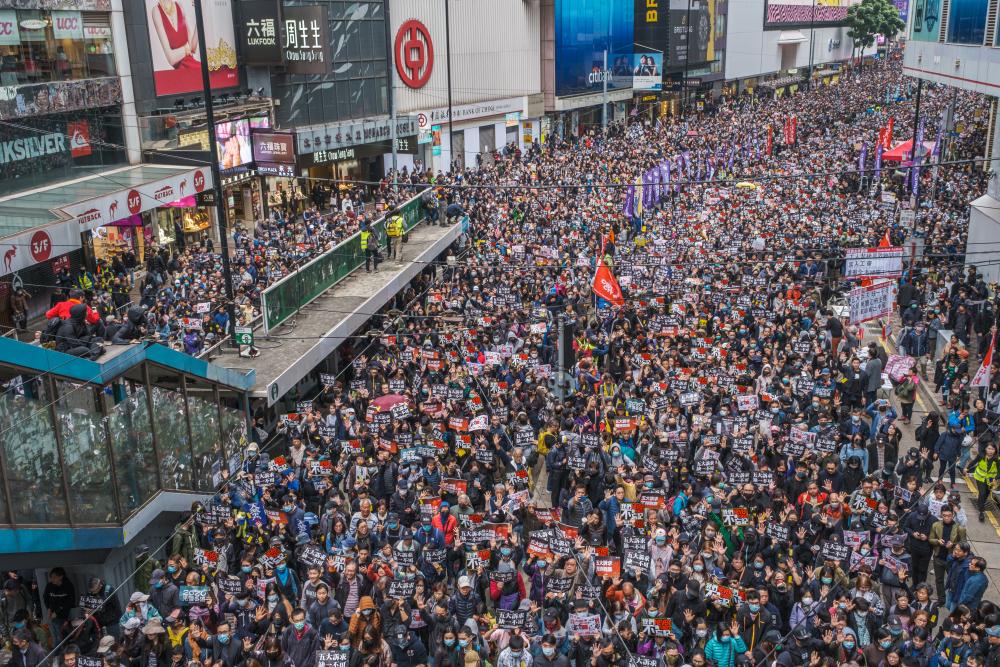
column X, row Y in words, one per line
column 243, row 335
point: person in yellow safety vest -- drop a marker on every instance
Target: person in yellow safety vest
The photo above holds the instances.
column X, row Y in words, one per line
column 394, row 230
column 369, row 246
column 984, row 471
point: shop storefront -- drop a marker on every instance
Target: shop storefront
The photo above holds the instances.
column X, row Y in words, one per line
column 73, row 225
column 358, row 150
column 242, row 198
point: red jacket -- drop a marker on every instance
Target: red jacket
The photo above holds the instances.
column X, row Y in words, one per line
column 61, row 310
column 449, row 527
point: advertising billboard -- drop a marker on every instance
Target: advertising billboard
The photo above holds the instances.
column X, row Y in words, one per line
column 926, row 20
column 692, row 42
column 233, row 141
column 173, row 43
column 274, row 147
column 967, row 21
column 800, row 12
column 260, row 32
column 306, row 42
column 584, row 30
column 647, row 71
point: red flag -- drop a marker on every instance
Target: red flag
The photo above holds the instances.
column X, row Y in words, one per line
column 605, row 285
column 795, row 128
column 770, row 139
column 982, row 376
column 881, row 138
column 888, row 133
column 886, row 242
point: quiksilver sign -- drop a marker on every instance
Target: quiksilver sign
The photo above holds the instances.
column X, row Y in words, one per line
column 30, row 147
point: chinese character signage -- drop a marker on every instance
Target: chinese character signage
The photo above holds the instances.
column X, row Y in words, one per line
column 306, row 44
column 260, row 26
column 274, row 147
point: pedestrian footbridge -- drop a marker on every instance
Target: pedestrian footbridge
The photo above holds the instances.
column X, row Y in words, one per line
column 92, row 451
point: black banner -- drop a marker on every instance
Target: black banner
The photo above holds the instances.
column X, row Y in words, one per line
column 260, row 24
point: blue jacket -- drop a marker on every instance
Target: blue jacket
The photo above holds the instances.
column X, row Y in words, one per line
column 723, row 654
column 958, row 573
column 973, row 590
column 949, row 445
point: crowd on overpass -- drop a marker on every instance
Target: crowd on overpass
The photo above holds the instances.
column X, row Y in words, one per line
column 717, row 475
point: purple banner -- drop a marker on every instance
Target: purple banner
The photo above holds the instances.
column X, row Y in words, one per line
column 918, row 158
column 878, row 161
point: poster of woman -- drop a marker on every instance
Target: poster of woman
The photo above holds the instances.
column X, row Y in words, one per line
column 173, row 41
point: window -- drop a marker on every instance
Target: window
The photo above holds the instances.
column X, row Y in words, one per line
column 38, row 46
column 720, row 26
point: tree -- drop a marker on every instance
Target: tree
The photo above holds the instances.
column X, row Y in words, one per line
column 871, row 18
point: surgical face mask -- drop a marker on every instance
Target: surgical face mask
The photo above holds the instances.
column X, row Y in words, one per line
column 884, row 644
column 549, row 651
column 171, row 569
column 862, row 614
column 827, row 580
column 158, row 584
column 272, row 598
column 849, row 645
column 367, row 612
column 806, row 602
column 701, row 632
column 288, row 508
column 20, row 624
column 754, row 608
column 299, row 625
column 282, row 568
column 463, row 642
column 757, row 565
column 865, row 551
column 223, row 638
column 246, row 569
column 345, row 647
column 506, row 553
column 515, row 654
column 699, row 568
column 449, row 642
column 661, row 540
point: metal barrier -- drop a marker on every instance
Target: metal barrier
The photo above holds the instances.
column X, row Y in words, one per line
column 286, row 297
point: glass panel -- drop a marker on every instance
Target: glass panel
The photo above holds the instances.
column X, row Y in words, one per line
column 172, row 438
column 85, row 454
column 234, row 435
column 29, row 442
column 132, row 446
column 205, row 438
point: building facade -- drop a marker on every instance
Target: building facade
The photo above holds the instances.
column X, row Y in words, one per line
column 955, row 44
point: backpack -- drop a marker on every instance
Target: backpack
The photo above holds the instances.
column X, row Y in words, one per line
column 51, row 331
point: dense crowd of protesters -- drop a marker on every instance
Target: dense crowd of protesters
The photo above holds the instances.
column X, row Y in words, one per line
column 725, row 479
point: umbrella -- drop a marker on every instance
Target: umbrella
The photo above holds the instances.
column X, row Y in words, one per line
column 387, row 402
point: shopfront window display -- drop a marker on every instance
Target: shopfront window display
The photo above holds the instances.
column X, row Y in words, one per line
column 41, row 45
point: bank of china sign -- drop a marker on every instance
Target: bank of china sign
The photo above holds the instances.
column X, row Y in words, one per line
column 344, row 135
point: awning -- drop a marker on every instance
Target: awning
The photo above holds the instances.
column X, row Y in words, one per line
column 45, row 223
column 791, row 37
column 901, row 151
column 133, row 190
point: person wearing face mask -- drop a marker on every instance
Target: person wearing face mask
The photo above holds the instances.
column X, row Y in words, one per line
column 367, row 617
column 753, row 620
column 164, row 597
column 407, row 649
column 547, row 654
column 299, row 640
column 515, row 654
column 725, row 645
column 271, row 654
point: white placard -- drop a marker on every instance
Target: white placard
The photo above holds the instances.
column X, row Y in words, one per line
column 873, row 262
column 872, row 302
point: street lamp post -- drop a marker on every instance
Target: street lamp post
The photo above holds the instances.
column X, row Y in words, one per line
column 220, row 211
